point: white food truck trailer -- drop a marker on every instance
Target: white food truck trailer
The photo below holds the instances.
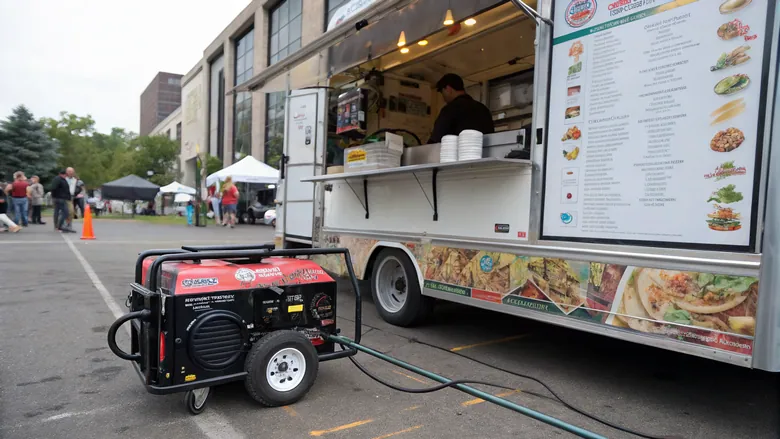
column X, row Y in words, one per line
column 628, row 189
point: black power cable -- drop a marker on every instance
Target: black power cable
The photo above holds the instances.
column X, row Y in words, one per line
column 557, row 397
column 425, row 389
column 552, row 392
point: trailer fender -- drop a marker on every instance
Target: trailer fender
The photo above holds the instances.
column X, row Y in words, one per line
column 367, row 268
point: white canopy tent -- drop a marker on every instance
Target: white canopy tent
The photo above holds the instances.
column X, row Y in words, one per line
column 182, row 198
column 246, row 170
column 177, row 188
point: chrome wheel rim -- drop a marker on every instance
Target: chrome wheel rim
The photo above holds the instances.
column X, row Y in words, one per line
column 391, row 284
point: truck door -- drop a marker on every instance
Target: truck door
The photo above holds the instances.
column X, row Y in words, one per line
column 304, row 146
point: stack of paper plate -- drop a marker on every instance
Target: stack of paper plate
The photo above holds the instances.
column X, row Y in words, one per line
column 469, row 145
column 449, row 149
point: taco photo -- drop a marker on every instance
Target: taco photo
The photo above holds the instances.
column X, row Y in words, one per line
column 654, row 298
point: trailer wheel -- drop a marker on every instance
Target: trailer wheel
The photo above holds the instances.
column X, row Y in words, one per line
column 195, row 399
column 396, row 290
column 281, row 368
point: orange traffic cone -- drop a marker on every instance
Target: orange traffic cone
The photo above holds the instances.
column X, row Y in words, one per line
column 86, row 231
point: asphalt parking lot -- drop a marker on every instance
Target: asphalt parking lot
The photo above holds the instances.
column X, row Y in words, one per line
column 59, row 380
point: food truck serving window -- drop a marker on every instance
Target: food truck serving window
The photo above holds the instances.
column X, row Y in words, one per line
column 656, row 121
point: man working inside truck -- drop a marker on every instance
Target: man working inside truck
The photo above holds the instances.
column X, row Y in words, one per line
column 462, row 112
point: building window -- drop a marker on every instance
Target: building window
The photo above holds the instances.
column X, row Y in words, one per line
column 274, row 128
column 242, row 107
column 333, row 7
column 221, row 116
column 174, row 81
column 285, row 35
column 168, row 133
column 178, row 132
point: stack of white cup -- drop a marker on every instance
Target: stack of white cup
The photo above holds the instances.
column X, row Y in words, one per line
column 470, row 145
column 449, row 149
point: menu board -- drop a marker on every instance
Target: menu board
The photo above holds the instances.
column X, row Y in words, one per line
column 654, row 121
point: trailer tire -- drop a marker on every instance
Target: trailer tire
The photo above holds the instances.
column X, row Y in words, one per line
column 396, row 290
column 281, row 353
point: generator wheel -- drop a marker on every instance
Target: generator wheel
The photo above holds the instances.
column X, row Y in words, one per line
column 195, row 399
column 281, row 368
column 396, row 290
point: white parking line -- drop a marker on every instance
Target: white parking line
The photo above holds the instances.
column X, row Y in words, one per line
column 211, row 423
column 155, row 243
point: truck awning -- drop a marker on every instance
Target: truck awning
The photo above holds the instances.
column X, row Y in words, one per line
column 311, row 52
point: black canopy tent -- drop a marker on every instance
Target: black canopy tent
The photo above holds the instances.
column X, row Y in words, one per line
column 130, row 187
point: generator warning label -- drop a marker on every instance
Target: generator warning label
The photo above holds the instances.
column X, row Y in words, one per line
column 199, row 303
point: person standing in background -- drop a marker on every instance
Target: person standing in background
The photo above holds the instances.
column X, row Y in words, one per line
column 36, row 199
column 70, row 179
column 78, row 198
column 18, row 192
column 215, row 203
column 229, row 193
column 190, row 211
column 60, row 194
column 5, row 201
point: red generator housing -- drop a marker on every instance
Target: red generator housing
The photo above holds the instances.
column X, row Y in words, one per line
column 204, row 316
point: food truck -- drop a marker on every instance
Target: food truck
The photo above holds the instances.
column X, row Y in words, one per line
column 627, row 189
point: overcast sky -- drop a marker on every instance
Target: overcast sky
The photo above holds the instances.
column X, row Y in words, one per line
column 97, row 56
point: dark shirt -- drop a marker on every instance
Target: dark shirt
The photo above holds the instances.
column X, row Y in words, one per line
column 463, row 113
column 60, row 189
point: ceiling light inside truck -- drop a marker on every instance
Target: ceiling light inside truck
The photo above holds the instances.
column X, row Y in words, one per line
column 448, row 20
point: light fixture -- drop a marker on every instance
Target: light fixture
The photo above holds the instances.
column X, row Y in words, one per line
column 448, row 20
column 404, row 50
column 470, row 22
column 423, row 42
column 402, row 39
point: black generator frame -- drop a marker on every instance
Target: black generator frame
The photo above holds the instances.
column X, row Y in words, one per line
column 142, row 300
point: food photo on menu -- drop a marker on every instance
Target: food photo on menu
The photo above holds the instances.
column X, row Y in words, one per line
column 728, row 111
column 652, row 297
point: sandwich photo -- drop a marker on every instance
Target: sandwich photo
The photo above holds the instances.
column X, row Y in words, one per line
column 724, row 219
column 731, row 6
column 573, row 112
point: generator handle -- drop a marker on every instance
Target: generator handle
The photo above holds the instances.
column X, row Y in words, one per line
column 154, row 270
column 205, row 248
column 143, row 315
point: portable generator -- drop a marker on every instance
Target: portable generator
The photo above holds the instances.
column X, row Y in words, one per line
column 208, row 315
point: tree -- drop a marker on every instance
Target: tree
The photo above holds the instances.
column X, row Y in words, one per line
column 25, row 146
column 273, row 151
column 77, row 147
column 213, row 165
column 154, row 153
